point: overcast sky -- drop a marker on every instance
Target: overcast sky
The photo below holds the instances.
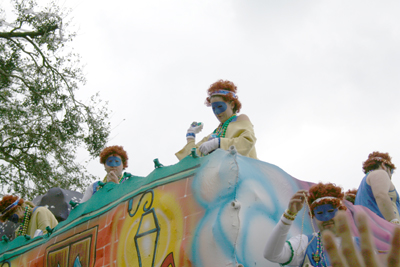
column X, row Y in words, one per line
column 318, row 79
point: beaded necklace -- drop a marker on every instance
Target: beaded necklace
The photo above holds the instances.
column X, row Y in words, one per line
column 302, row 226
column 319, row 253
column 120, row 179
column 318, row 256
column 24, row 225
column 105, row 181
column 220, row 131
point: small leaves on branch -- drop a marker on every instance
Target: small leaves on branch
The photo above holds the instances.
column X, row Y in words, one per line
column 42, row 124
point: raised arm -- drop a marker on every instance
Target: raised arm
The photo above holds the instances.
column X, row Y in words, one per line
column 277, row 249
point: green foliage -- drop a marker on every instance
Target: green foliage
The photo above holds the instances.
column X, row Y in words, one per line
column 41, row 122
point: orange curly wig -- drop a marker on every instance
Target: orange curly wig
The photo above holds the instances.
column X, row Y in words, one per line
column 7, row 201
column 375, row 159
column 350, row 195
column 114, row 150
column 228, row 86
column 325, row 190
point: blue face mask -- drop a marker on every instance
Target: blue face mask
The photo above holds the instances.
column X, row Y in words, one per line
column 325, row 212
column 218, row 107
column 113, row 161
column 13, row 218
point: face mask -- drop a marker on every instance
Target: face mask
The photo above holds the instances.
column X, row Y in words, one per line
column 218, row 107
column 13, row 218
column 113, row 161
column 325, row 212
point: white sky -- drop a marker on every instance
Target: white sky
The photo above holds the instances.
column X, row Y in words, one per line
column 318, row 79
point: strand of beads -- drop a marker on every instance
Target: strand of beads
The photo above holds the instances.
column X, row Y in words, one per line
column 289, row 215
column 24, row 225
column 302, row 226
column 395, row 221
column 120, row 179
column 318, row 256
column 221, row 129
column 309, row 209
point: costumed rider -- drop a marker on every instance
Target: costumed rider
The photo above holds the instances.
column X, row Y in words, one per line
column 33, row 219
column 350, row 195
column 115, row 160
column 324, row 200
column 377, row 191
column 232, row 130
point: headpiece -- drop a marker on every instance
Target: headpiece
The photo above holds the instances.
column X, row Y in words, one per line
column 381, row 160
column 375, row 159
column 321, row 198
column 227, row 90
column 321, row 194
column 114, row 150
column 350, row 195
column 223, row 92
column 9, row 207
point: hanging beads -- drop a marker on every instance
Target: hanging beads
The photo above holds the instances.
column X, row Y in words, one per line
column 318, row 256
column 24, row 225
column 120, row 179
column 302, row 227
column 221, row 129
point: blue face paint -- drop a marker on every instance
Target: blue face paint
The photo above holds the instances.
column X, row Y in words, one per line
column 219, row 107
column 325, row 212
column 13, row 218
column 113, row 161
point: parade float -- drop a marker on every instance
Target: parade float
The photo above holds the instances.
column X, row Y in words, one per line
column 216, row 210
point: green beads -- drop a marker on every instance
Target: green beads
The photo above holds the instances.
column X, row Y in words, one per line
column 23, row 228
column 221, row 130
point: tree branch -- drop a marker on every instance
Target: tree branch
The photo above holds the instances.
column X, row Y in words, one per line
column 27, row 85
column 28, row 34
column 54, row 70
column 17, row 28
column 28, row 53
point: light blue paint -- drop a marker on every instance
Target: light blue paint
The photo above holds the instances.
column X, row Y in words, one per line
column 219, row 107
column 77, row 263
column 325, row 212
column 113, row 161
column 240, row 178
